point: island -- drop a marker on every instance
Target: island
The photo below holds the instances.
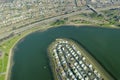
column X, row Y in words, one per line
column 69, row 61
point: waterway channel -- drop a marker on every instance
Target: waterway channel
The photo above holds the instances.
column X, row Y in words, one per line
column 30, row 54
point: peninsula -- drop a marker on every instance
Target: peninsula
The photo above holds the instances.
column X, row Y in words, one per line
column 18, row 18
column 69, row 61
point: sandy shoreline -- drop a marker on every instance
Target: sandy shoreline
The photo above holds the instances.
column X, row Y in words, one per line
column 10, row 58
column 10, row 62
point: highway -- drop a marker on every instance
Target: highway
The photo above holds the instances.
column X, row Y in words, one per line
column 48, row 20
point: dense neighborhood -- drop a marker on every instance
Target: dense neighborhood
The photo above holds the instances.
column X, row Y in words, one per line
column 20, row 10
column 69, row 62
column 17, row 14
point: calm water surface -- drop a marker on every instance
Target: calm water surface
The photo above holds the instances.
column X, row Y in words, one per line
column 30, row 55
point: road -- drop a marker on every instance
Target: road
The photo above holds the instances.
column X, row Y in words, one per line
column 3, row 35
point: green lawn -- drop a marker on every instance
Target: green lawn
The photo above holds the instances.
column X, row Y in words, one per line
column 7, row 45
column 0, row 65
column 2, row 77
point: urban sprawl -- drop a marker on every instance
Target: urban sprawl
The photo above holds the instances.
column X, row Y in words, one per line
column 16, row 11
column 17, row 14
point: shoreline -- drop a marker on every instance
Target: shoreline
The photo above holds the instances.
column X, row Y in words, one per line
column 23, row 35
column 10, row 61
column 10, row 58
column 32, row 30
column 52, row 66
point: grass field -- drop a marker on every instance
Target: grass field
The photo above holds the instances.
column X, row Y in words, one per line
column 5, row 47
column 2, row 77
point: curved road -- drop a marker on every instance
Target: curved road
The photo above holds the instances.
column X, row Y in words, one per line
column 52, row 19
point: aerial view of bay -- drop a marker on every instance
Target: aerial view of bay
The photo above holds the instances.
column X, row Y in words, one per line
column 30, row 54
